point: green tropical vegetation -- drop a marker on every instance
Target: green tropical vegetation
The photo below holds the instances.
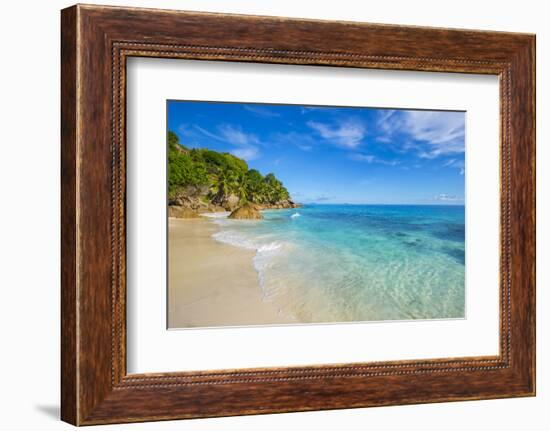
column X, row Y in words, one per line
column 216, row 177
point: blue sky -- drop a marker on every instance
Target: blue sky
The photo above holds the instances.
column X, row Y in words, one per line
column 334, row 154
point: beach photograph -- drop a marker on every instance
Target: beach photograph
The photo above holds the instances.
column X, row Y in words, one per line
column 300, row 214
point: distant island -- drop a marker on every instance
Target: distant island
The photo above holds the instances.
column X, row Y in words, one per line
column 202, row 180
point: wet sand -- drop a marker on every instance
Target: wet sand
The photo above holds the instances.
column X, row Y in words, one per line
column 210, row 283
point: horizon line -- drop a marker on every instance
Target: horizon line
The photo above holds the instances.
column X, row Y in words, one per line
column 381, row 203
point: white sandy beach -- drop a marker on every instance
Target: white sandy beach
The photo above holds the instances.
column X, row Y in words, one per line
column 211, row 283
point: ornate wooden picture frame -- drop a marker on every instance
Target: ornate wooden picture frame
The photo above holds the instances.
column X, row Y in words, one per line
column 96, row 41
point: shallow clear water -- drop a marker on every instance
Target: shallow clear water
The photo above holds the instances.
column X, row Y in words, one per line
column 342, row 263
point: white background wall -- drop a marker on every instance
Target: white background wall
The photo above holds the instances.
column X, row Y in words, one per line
column 29, row 212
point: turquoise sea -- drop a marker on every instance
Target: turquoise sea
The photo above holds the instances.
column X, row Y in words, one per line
column 343, row 263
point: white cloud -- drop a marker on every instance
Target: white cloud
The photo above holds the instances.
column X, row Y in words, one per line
column 384, row 139
column 301, row 140
column 246, row 143
column 437, row 127
column 235, row 136
column 208, row 133
column 386, row 119
column 455, row 163
column 347, row 134
column 447, row 198
column 435, row 133
column 308, row 109
column 369, row 158
column 261, row 111
column 183, row 128
column 246, row 153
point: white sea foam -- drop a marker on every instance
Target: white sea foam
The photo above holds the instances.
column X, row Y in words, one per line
column 295, row 215
column 265, row 249
column 261, row 263
column 235, row 239
column 272, row 246
column 222, row 214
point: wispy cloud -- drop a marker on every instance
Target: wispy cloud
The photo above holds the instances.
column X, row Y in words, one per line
column 369, row 158
column 302, row 141
column 185, row 129
column 322, row 198
column 261, row 111
column 311, row 197
column 236, row 136
column 245, row 145
column 435, row 133
column 308, row 109
column 248, row 153
column 444, row 197
column 208, row 133
column 455, row 163
column 437, row 128
column 385, row 120
column 348, row 133
column 358, row 157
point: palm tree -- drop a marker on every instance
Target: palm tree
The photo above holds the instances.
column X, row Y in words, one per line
column 222, row 184
column 254, row 184
column 241, row 188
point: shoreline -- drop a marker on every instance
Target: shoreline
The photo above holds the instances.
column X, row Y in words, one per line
column 210, row 283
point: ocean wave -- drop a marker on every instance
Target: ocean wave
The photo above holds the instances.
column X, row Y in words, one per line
column 266, row 251
column 272, row 246
column 295, row 215
column 222, row 214
column 239, row 240
column 235, row 239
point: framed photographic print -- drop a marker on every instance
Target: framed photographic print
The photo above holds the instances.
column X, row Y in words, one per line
column 347, row 247
column 268, row 215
